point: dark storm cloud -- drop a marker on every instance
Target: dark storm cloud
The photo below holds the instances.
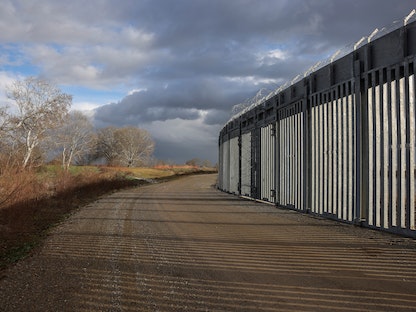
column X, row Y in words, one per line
column 178, row 99
column 210, row 40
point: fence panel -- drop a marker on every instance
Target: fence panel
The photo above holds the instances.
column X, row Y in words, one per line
column 332, row 152
column 246, row 164
column 267, row 163
column 391, row 148
column 234, row 166
column 290, row 156
column 226, row 166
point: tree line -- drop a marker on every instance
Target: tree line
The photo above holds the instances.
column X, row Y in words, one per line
column 38, row 127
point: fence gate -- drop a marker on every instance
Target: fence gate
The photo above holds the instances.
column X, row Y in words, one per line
column 290, row 140
column 333, row 171
column 234, row 166
column 246, row 164
column 268, row 142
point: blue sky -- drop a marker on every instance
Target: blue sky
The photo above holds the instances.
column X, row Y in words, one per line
column 177, row 67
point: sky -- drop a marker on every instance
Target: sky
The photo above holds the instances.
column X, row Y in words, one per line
column 177, row 67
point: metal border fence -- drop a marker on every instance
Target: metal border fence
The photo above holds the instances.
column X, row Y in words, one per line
column 339, row 143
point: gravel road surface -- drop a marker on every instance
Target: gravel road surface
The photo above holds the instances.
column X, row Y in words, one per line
column 184, row 246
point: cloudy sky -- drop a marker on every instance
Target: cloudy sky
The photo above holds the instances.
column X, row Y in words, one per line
column 177, row 67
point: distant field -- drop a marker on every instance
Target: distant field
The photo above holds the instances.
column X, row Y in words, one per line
column 159, row 172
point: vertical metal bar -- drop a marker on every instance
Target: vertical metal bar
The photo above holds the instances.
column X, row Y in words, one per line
column 316, row 134
column 306, row 151
column 272, row 163
column 350, row 144
column 394, row 151
column 239, row 158
column 293, row 158
column 277, row 159
column 377, row 143
column 313, row 157
column 291, row 169
column 391, row 171
column 289, row 158
column 220, row 162
column 334, row 151
column 385, row 189
column 330, row 152
column 281, row 159
column 295, row 153
column 300, row 154
column 344, row 153
column 407, row 145
column 270, row 173
column 412, row 142
column 279, row 146
column 271, row 156
column 270, row 169
column 262, row 163
column 249, row 163
column 402, row 128
column 284, row 158
column 325, row 153
column 339, row 153
column 370, row 155
column 319, row 155
column 288, row 163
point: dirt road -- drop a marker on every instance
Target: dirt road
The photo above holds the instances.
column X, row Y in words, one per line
column 184, row 246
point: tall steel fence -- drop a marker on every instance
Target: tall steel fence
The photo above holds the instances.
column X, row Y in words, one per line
column 339, row 143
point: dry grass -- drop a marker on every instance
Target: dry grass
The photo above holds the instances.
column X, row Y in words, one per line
column 160, row 171
column 32, row 201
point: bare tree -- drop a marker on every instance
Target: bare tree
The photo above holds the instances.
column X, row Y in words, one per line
column 4, row 121
column 40, row 107
column 75, row 138
column 107, row 145
column 195, row 162
column 135, row 146
column 128, row 146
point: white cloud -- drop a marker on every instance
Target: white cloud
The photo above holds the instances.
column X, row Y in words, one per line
column 272, row 57
column 254, row 81
column 85, row 107
column 136, row 91
column 6, row 79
